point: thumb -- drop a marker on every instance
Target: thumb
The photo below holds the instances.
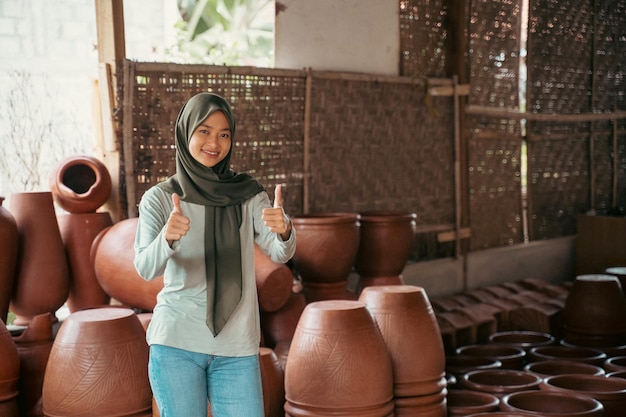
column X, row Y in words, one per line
column 278, row 196
column 176, row 201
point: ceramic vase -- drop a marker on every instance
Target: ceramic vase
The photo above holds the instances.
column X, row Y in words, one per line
column 42, row 275
column 80, row 184
column 9, row 243
column 9, row 374
column 325, row 254
column 338, row 360
column 112, row 255
column 386, row 242
column 98, row 366
column 552, row 404
column 274, row 281
column 78, row 231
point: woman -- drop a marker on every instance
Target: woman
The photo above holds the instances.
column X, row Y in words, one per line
column 197, row 229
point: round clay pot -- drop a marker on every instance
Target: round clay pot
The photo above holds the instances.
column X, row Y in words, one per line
column 274, row 281
column 463, row 402
column 594, row 313
column 406, row 319
column 620, row 273
column 42, row 262
column 325, row 254
column 433, row 405
column 280, row 326
column 617, row 374
column 524, row 339
column 552, row 404
column 99, row 359
column 578, row 354
column 611, row 392
column 338, row 360
column 112, row 254
column 562, row 366
column 386, row 240
column 502, row 414
column 80, row 184
column 615, row 363
column 9, row 374
column 273, row 381
column 511, row 357
column 457, row 365
column 500, row 382
column 9, row 243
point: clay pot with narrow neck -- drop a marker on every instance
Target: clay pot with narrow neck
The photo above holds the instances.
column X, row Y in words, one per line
column 9, row 374
column 552, row 404
column 80, row 184
column 9, row 243
column 42, row 274
column 325, row 254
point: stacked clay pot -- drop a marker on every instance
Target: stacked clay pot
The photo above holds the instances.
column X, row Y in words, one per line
column 9, row 374
column 9, row 243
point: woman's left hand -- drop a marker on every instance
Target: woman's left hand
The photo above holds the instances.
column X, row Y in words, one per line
column 275, row 218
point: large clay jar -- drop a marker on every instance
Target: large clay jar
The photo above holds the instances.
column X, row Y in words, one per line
column 9, row 374
column 273, row 381
column 42, row 275
column 406, row 320
column 338, row 361
column 500, row 382
column 280, row 326
column 9, row 243
column 80, row 184
column 386, row 241
column 112, row 254
column 594, row 313
column 611, row 392
column 274, row 281
column 552, row 404
column 325, row 254
column 33, row 347
column 98, row 366
column 461, row 402
column 78, row 231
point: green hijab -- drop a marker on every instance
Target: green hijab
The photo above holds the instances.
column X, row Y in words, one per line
column 222, row 191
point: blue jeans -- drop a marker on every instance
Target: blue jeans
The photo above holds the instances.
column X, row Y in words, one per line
column 183, row 382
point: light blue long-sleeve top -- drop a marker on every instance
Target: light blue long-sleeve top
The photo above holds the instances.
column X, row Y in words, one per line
column 178, row 319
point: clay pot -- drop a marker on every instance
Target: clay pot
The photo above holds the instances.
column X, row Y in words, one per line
column 433, row 405
column 9, row 374
column 406, row 319
column 522, row 338
column 562, row 366
column 280, row 326
column 502, row 414
column 33, row 347
column 464, row 402
column 617, row 374
column 112, row 254
column 511, row 357
column 578, row 354
column 78, row 231
column 42, row 274
column 594, row 313
column 500, row 382
column 620, row 273
column 273, row 381
column 616, row 363
column 458, row 365
column 385, row 244
column 611, row 392
column 326, row 250
column 9, row 243
column 338, row 360
column 98, row 366
column 274, row 281
column 80, row 184
column 552, row 404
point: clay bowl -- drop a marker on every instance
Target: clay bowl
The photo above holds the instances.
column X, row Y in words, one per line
column 617, row 374
column 616, row 363
column 561, row 366
column 552, row 404
column 502, row 414
column 511, row 357
column 579, row 354
column 458, row 365
column 463, row 402
column 500, row 382
column 522, row 338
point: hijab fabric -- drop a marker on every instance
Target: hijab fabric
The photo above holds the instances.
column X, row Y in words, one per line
column 222, row 191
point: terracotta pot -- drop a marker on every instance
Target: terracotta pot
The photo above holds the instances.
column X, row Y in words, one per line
column 9, row 374
column 33, row 347
column 433, row 405
column 78, row 231
column 80, row 184
column 9, row 243
column 338, row 360
column 552, row 404
column 385, row 244
column 42, row 263
column 280, row 326
column 274, row 281
column 406, row 319
column 500, row 382
column 511, row 357
column 502, row 414
column 325, row 254
column 458, row 365
column 617, row 374
column 112, row 254
column 273, row 380
column 98, row 366
column 611, row 392
column 562, row 366
column 615, row 363
column 524, row 339
column 594, row 313
column 463, row 402
column 620, row 273
column 578, row 354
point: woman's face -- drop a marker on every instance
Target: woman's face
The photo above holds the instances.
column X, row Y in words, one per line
column 210, row 142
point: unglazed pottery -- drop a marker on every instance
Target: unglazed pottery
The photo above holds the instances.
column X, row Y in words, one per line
column 9, row 374
column 511, row 357
column 579, row 354
column 9, row 243
column 562, row 366
column 273, row 381
column 524, row 339
column 280, row 326
column 462, row 402
column 500, row 382
column 552, row 404
column 274, row 281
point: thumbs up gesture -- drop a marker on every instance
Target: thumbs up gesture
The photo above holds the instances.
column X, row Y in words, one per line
column 178, row 224
column 275, row 218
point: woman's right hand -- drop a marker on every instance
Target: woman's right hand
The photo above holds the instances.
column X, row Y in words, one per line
column 178, row 224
